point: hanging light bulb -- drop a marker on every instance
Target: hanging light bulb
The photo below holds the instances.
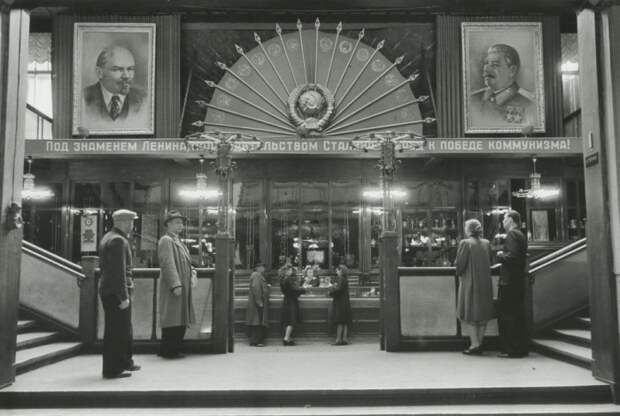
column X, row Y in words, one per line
column 29, row 190
column 200, row 191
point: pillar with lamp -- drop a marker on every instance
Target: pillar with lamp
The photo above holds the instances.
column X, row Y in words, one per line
column 223, row 144
column 388, row 143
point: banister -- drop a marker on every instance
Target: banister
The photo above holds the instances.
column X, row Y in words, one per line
column 71, row 271
column 39, row 113
column 556, row 259
column 577, row 244
column 153, row 272
column 51, row 256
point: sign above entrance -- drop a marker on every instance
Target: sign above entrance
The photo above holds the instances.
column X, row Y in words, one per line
column 164, row 148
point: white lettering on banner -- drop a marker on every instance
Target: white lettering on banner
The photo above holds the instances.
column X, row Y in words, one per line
column 318, row 146
column 462, row 145
column 53, row 147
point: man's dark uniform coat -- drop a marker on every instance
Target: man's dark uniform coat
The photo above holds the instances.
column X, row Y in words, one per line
column 114, row 287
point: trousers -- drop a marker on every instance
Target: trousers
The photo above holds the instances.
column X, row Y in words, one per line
column 512, row 320
column 117, row 337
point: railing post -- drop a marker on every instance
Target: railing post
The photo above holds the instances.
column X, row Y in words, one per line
column 88, row 300
column 390, row 291
column 221, row 293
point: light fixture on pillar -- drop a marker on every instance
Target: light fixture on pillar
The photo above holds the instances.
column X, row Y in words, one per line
column 29, row 190
column 388, row 143
column 223, row 144
column 376, row 194
column 201, row 191
column 536, row 190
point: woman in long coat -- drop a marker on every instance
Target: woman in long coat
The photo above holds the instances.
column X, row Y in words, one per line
column 341, row 305
column 176, row 279
column 257, row 313
column 289, row 283
column 475, row 295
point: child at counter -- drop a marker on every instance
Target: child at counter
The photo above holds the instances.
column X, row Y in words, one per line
column 291, row 316
column 340, row 310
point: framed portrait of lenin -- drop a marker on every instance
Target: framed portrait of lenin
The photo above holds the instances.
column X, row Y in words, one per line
column 503, row 85
column 113, row 79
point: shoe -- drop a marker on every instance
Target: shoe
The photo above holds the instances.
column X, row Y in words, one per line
column 338, row 343
column 117, row 375
column 259, row 345
column 512, row 355
column 345, row 343
column 473, row 351
column 134, row 367
column 172, row 356
column 288, row 343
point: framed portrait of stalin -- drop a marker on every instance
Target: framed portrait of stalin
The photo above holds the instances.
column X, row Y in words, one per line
column 113, row 78
column 503, row 85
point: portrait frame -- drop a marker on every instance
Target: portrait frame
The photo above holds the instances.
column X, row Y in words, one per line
column 522, row 106
column 137, row 111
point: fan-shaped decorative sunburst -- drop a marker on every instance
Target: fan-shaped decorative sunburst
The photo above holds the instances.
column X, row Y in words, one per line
column 309, row 83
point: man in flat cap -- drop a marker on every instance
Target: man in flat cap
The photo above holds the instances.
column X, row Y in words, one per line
column 176, row 280
column 115, row 289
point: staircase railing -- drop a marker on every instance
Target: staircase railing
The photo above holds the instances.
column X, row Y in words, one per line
column 426, row 298
column 38, row 124
column 48, row 287
column 560, row 284
column 145, row 307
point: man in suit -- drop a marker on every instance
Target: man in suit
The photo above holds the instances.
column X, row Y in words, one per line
column 115, row 289
column 176, row 280
column 502, row 100
column 512, row 290
column 113, row 97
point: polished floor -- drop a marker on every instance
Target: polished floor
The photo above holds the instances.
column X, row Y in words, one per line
column 313, row 366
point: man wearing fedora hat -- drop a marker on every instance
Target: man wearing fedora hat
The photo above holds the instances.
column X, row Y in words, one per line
column 115, row 289
column 257, row 313
column 176, row 280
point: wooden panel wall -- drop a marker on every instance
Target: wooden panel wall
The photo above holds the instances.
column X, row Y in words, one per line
column 167, row 70
column 449, row 87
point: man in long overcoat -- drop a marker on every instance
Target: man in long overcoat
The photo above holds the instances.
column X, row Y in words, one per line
column 115, row 288
column 511, row 318
column 257, row 313
column 176, row 280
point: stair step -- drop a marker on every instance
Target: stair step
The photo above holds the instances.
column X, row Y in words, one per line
column 33, row 339
column 565, row 351
column 32, row 358
column 583, row 321
column 581, row 337
column 25, row 325
column 425, row 410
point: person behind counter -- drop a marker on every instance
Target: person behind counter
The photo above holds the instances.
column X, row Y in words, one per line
column 340, row 312
column 257, row 314
column 475, row 296
column 291, row 316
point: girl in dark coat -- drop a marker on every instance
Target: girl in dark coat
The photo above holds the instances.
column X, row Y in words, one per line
column 290, row 307
column 341, row 305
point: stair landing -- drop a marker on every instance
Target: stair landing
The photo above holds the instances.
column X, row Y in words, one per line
column 314, row 375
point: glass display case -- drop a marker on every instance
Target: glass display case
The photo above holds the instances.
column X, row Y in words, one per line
column 575, row 209
column 430, row 223
column 247, row 200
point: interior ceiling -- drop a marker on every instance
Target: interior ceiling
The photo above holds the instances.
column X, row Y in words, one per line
column 309, row 6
